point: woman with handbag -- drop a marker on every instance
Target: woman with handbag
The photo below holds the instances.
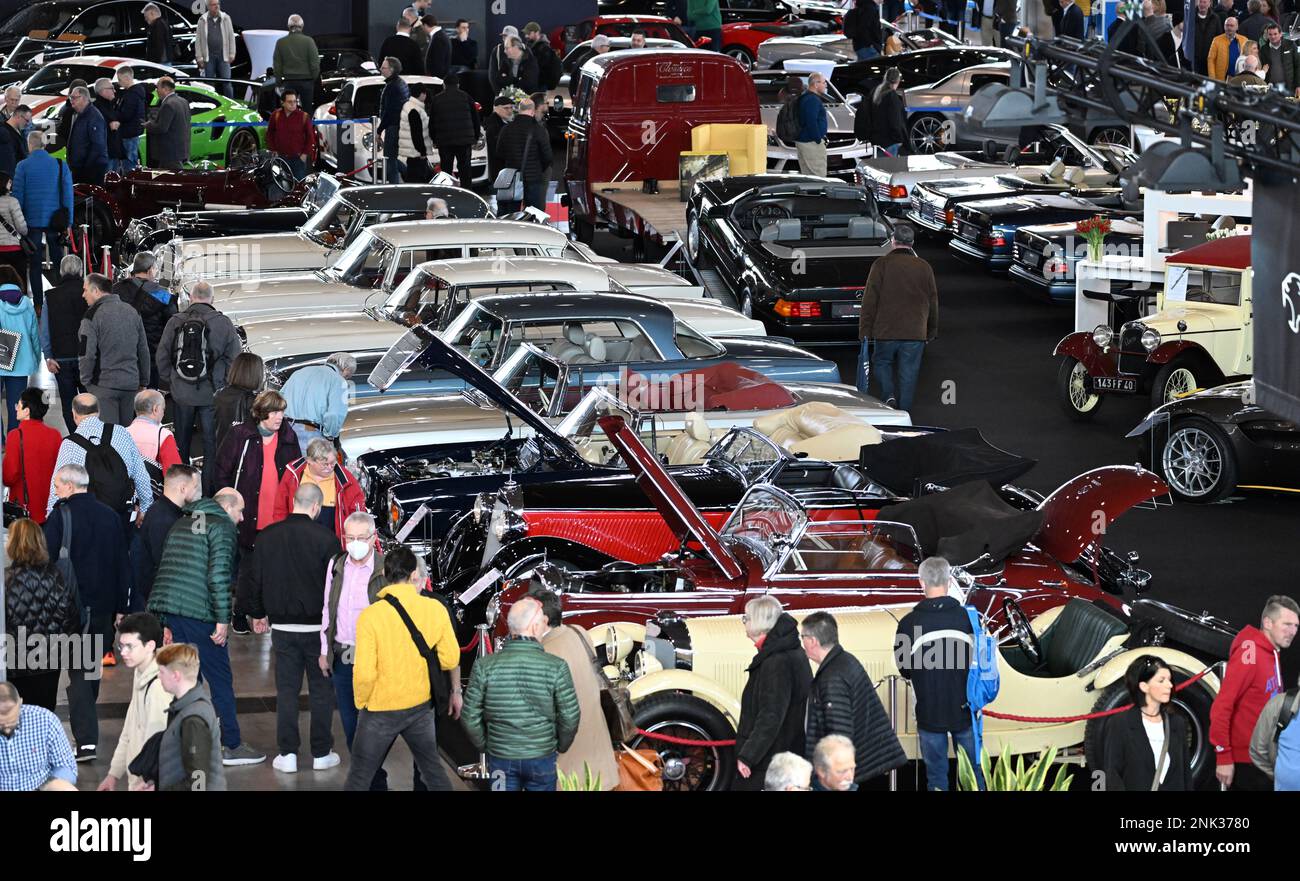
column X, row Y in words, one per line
column 14, row 244
column 1146, row 746
column 30, row 453
column 20, row 343
column 37, row 603
column 234, row 403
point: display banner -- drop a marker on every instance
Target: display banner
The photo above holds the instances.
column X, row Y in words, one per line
column 1275, row 256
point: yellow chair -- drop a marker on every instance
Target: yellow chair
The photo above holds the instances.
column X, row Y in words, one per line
column 745, row 145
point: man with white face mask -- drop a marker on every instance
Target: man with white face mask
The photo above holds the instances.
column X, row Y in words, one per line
column 352, row 583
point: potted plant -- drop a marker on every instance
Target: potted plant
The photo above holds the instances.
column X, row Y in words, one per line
column 1094, row 229
column 1006, row 777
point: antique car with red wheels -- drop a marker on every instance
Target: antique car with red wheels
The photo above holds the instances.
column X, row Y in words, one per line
column 672, row 627
column 1200, row 333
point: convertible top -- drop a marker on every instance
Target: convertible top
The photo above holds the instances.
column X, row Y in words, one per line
column 965, row 522
column 946, row 458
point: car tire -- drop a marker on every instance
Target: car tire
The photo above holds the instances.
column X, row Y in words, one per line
column 693, row 248
column 1079, row 404
column 1179, row 377
column 741, row 54
column 684, row 715
column 924, row 133
column 103, row 231
column 1198, row 461
column 243, row 142
column 1192, row 704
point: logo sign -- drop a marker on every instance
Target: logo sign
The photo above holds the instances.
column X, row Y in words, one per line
column 673, row 70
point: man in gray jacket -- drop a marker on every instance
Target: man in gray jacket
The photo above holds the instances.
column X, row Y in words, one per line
column 169, row 131
column 194, row 354
column 113, row 351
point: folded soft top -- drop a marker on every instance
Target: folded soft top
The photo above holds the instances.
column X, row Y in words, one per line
column 945, row 458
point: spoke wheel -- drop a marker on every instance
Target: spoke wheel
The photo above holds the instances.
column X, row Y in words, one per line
column 926, row 134
column 1197, row 462
column 1173, row 383
column 1072, row 389
column 242, row 149
column 741, row 54
column 687, row 768
column 1111, row 135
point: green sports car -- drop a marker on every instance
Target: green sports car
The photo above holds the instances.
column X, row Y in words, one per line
column 218, row 145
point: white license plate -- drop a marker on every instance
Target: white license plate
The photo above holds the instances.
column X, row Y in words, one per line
column 1126, row 384
column 846, row 310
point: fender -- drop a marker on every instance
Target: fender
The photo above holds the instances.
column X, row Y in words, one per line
column 1113, row 670
column 600, row 635
column 87, row 193
column 1167, row 352
column 1070, row 513
column 532, row 550
column 691, row 683
column 1080, row 345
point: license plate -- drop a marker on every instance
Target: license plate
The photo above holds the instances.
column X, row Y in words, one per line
column 1126, row 384
column 846, row 310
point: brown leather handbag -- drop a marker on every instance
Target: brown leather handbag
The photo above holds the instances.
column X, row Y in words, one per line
column 639, row 770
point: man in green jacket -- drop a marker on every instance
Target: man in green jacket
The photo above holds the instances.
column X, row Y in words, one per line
column 191, row 594
column 296, row 63
column 520, row 706
column 706, row 18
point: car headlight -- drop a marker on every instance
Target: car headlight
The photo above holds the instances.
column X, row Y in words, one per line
column 480, row 507
column 368, row 140
column 1150, row 339
column 493, row 610
column 1102, row 336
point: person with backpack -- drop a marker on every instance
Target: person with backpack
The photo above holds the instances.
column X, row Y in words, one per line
column 943, row 709
column 282, row 593
column 1147, row 735
column 155, row 303
column 155, row 441
column 85, row 535
column 109, row 455
column 114, row 360
column 195, row 353
column 787, row 118
column 1275, row 744
column 43, row 187
column 813, row 121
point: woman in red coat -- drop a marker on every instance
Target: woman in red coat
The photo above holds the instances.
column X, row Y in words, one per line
column 30, row 452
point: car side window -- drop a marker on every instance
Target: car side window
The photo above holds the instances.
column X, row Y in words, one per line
column 198, row 101
column 504, row 251
column 853, row 547
column 132, row 18
column 1223, row 288
column 692, row 344
column 980, row 80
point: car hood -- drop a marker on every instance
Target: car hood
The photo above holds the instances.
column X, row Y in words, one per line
column 1079, row 512
column 322, row 333
column 377, row 423
column 673, row 505
column 654, row 280
column 748, row 347
column 951, row 164
column 1198, row 320
column 712, row 318
column 286, row 295
column 1028, row 210
column 255, row 246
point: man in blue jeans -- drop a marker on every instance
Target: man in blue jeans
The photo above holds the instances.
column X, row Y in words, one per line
column 900, row 314
column 933, row 648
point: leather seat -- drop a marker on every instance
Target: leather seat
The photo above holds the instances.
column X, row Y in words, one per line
column 866, row 228
column 593, row 353
column 573, row 344
column 881, row 557
column 819, row 429
column 689, row 447
column 1077, row 635
column 847, row 477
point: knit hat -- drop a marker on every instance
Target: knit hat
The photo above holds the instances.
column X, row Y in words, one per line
column 503, row 101
column 532, row 27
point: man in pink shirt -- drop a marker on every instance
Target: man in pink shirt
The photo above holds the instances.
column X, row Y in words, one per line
column 353, row 582
column 156, row 444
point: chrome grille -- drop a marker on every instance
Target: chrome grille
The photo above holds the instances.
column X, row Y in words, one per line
column 1132, row 356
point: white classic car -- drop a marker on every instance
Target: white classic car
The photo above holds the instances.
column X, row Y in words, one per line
column 382, row 257
column 359, row 99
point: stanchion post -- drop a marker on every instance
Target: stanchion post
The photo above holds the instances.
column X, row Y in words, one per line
column 893, row 718
column 375, row 153
column 478, row 771
column 106, row 260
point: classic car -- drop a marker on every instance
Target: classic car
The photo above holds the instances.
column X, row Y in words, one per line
column 919, row 68
column 1022, row 567
column 48, row 85
column 794, row 250
column 917, row 38
column 737, row 10
column 297, row 246
column 1209, row 444
column 580, row 54
column 1043, row 258
column 50, row 29
column 774, row 53
column 843, row 148
column 265, row 182
column 984, row 229
column 358, row 98
column 1200, row 334
column 746, row 41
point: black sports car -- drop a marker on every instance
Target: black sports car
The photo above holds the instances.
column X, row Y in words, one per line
column 1210, row 443
column 1043, row 258
column 795, row 250
column 920, row 67
column 985, row 229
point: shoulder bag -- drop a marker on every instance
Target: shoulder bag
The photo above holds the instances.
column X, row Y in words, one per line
column 615, row 700
column 28, row 246
column 1164, row 754
column 509, row 185
column 61, row 218
column 439, row 692
column 639, row 770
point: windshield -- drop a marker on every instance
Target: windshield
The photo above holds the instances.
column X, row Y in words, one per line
column 39, row 17
column 320, row 194
column 425, row 298
column 763, row 516
column 365, row 263
column 581, row 422
column 54, row 78
column 330, row 224
column 772, row 90
column 749, row 451
column 475, row 334
column 852, row 546
column 531, row 377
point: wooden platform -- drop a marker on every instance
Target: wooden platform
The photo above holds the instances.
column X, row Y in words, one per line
column 660, row 218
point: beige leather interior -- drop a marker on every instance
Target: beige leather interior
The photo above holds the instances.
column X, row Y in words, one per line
column 690, row 446
column 821, row 430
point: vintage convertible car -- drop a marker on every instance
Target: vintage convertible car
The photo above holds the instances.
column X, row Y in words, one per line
column 984, row 229
column 1210, row 443
column 836, row 48
column 843, row 148
column 1044, row 257
column 672, row 627
column 794, row 250
column 1199, row 335
column 737, row 10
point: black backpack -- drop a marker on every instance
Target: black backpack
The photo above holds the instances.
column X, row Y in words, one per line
column 109, row 480
column 191, row 354
column 787, row 120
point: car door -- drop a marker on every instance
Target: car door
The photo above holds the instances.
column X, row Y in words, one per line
column 132, row 33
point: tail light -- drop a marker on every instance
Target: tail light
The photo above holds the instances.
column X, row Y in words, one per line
column 992, row 240
column 1058, row 267
column 790, row 309
column 333, row 111
column 898, row 191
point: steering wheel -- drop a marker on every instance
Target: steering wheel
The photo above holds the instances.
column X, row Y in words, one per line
column 1020, row 629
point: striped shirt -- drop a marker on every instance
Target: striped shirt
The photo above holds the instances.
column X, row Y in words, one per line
column 92, row 427
column 35, row 751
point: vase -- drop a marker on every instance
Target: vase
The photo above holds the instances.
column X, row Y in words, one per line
column 1095, row 251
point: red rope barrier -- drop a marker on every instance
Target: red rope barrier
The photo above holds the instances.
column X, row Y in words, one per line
column 354, row 172
column 1056, row 720
column 472, row 644
column 684, row 741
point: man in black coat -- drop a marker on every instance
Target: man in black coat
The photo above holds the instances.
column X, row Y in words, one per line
column 158, row 47
column 13, row 143
column 437, row 58
column 403, row 47
column 391, row 100
column 1202, row 28
column 511, row 64
column 524, row 145
column 844, row 701
column 933, row 648
column 1072, row 23
column 548, row 63
column 776, row 693
column 454, row 126
column 181, row 486
column 503, row 110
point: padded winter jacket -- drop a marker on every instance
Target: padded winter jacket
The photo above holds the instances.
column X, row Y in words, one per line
column 197, row 565
column 37, row 600
column 843, row 701
column 349, row 498
column 88, row 141
column 453, row 119
column 36, row 187
column 520, row 703
column 773, row 702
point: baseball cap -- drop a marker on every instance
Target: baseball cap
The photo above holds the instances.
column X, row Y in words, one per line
column 510, row 31
column 503, row 101
column 532, row 27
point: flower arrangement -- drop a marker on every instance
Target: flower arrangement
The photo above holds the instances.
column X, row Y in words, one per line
column 1094, row 229
column 514, row 93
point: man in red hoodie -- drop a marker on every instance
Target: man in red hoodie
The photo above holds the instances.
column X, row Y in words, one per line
column 1253, row 676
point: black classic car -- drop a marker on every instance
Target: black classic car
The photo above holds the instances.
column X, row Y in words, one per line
column 1211, row 443
column 1043, row 258
column 795, row 250
column 919, row 67
column 985, row 229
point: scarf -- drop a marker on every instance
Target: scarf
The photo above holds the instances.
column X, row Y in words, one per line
column 264, row 432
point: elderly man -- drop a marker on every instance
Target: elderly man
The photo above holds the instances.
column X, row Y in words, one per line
column 341, row 494
column 1247, row 72
column 296, row 63
column 97, row 561
column 43, row 187
column 775, row 697
column 523, row 146
column 1225, row 49
column 811, row 111
column 214, row 46
column 318, row 398
column 90, row 433
column 105, row 101
column 131, row 105
column 34, row 751
column 87, row 149
column 834, row 764
column 788, row 772
column 158, row 47
column 13, row 145
column 436, row 209
column 512, row 65
column 169, row 131
column 181, row 486
column 155, row 441
column 520, row 707
column 13, row 97
column 843, row 701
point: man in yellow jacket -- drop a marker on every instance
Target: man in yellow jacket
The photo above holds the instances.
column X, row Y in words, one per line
column 1225, row 49
column 390, row 674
